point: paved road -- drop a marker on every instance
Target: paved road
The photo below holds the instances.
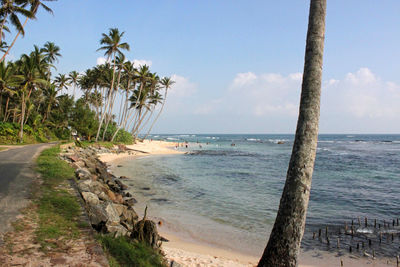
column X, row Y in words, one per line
column 16, row 175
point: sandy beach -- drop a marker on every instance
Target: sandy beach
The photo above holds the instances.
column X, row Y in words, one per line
column 191, row 253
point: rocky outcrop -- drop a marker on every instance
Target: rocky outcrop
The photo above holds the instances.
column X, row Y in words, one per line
column 109, row 206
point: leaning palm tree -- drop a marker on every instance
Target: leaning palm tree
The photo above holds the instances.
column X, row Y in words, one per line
column 11, row 9
column 34, row 6
column 166, row 82
column 73, row 77
column 112, row 46
column 284, row 242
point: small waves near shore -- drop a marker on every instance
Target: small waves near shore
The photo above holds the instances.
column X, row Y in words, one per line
column 225, row 189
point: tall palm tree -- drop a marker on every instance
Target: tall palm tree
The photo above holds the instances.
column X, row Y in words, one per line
column 166, row 82
column 34, row 6
column 8, row 81
column 62, row 81
column 112, row 45
column 284, row 242
column 12, row 8
column 50, row 94
column 31, row 79
column 51, row 54
column 73, row 77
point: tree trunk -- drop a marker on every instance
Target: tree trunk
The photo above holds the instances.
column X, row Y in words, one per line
column 5, row 113
column 21, row 131
column 158, row 115
column 284, row 242
column 106, row 104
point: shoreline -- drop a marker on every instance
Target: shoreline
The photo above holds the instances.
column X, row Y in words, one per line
column 198, row 253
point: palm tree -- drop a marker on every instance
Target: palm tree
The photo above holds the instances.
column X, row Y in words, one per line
column 31, row 78
column 34, row 6
column 73, row 77
column 12, row 8
column 8, row 81
column 62, row 81
column 166, row 82
column 51, row 54
column 284, row 242
column 112, row 45
column 50, row 94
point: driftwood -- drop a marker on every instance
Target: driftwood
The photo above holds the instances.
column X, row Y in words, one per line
column 146, row 231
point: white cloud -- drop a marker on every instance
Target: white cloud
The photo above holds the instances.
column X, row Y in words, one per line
column 141, row 62
column 101, row 60
column 182, row 87
column 363, row 95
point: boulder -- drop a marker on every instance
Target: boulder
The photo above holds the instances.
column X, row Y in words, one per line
column 117, row 230
column 130, row 201
column 112, row 214
column 97, row 216
column 83, row 174
column 129, row 215
column 121, row 185
column 90, row 198
column 103, row 196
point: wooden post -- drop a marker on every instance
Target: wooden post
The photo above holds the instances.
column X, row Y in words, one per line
column 358, row 246
column 397, row 221
column 352, row 222
column 373, row 253
column 359, row 222
column 350, row 249
column 366, row 222
column 345, row 227
column 394, row 222
column 338, row 243
column 319, row 232
column 341, row 263
column 369, row 242
column 313, row 235
column 397, row 261
column 326, row 231
column 380, row 238
column 375, row 223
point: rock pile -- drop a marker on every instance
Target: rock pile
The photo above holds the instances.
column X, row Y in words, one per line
column 109, row 206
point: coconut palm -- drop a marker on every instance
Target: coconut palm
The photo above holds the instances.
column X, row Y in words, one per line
column 166, row 82
column 31, row 79
column 284, row 243
column 62, row 81
column 112, row 45
column 8, row 81
column 50, row 94
column 73, row 77
column 34, row 6
column 11, row 9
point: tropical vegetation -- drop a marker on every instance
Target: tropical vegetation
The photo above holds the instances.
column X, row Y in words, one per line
column 118, row 99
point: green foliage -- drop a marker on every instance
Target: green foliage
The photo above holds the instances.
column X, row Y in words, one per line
column 125, row 252
column 84, row 120
column 57, row 208
column 9, row 134
column 122, row 136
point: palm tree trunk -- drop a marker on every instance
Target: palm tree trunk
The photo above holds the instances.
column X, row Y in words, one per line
column 284, row 242
column 5, row 113
column 2, row 27
column 21, row 131
column 1, row 104
column 112, row 103
column 158, row 115
column 105, row 110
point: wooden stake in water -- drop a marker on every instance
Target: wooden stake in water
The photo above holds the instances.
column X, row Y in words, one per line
column 366, row 222
column 358, row 246
column 375, row 223
column 341, row 263
column 369, row 242
column 380, row 238
column 345, row 227
column 338, row 243
column 313, row 235
column 359, row 222
column 373, row 253
column 394, row 222
column 350, row 249
column 326, row 231
column 397, row 260
column 319, row 232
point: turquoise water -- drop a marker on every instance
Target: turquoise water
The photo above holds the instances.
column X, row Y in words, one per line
column 228, row 195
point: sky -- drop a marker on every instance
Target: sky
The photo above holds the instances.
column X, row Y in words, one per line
column 238, row 64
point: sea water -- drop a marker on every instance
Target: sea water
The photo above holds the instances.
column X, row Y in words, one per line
column 225, row 191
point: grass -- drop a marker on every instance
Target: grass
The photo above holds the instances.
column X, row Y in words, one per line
column 123, row 252
column 58, row 210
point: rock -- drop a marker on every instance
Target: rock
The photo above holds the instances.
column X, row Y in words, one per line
column 129, row 215
column 90, row 198
column 123, row 177
column 119, row 199
column 117, row 230
column 280, row 142
column 112, row 214
column 103, row 196
column 127, row 194
column 120, row 208
column 80, row 163
column 111, row 195
column 98, row 216
column 73, row 158
column 130, row 201
column 121, row 185
column 83, row 186
column 83, row 174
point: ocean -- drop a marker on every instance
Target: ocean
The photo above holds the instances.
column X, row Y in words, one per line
column 225, row 190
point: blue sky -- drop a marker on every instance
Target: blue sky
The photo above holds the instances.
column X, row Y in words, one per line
column 238, row 63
